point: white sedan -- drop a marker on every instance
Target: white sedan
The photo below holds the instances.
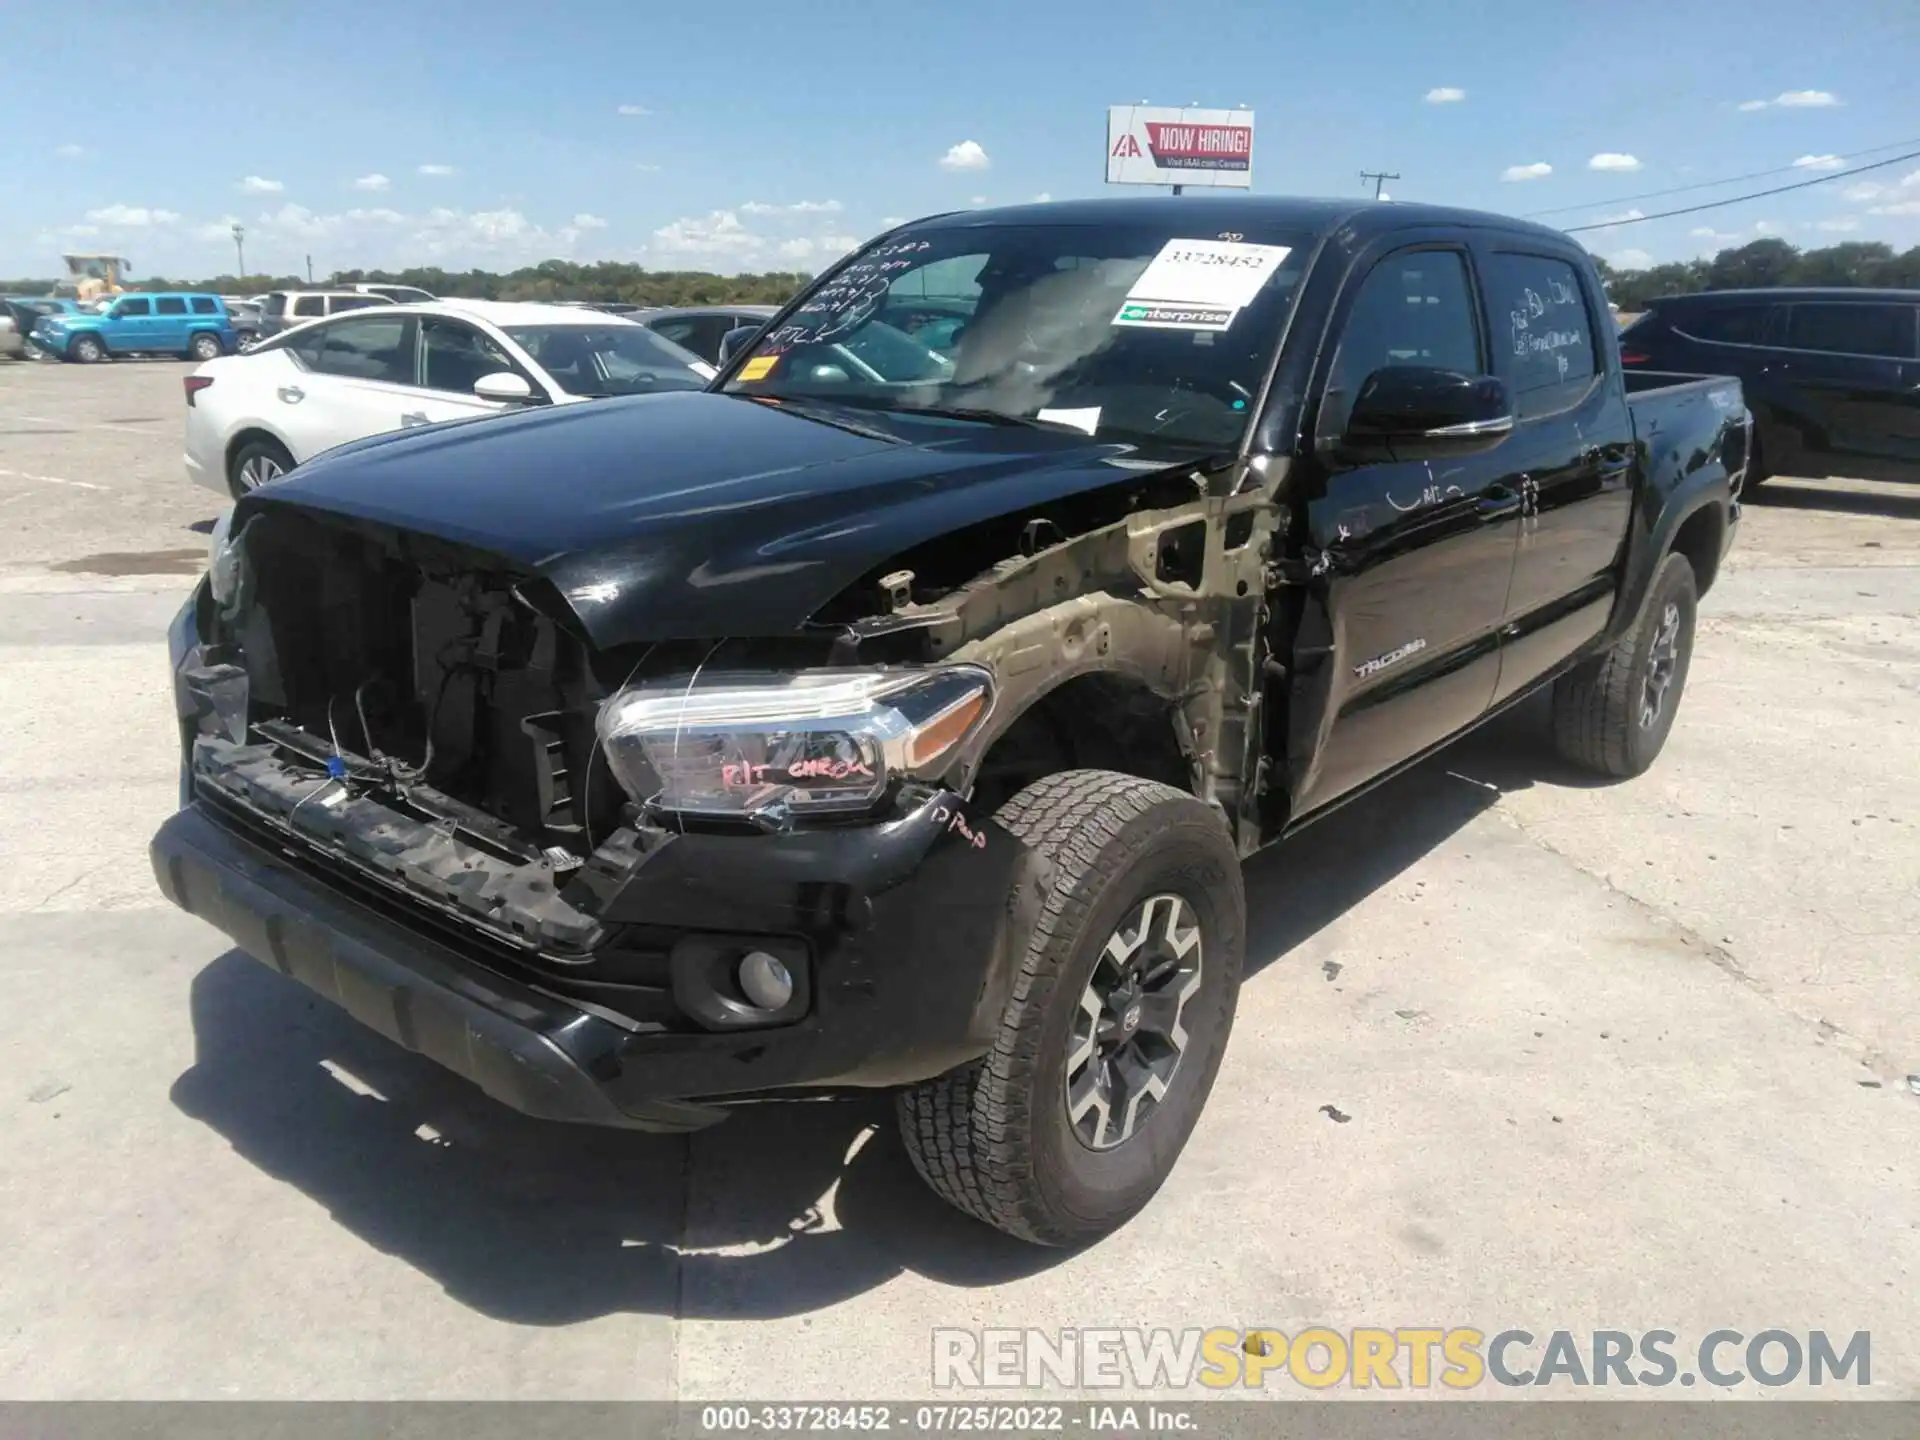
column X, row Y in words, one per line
column 253, row 417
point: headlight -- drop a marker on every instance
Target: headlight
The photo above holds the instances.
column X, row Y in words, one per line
column 223, row 559
column 824, row 741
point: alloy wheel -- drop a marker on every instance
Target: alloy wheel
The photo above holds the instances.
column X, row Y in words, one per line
column 1127, row 1038
column 258, row 470
column 1663, row 662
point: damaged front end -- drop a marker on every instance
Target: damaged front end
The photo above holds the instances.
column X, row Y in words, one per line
column 684, row 867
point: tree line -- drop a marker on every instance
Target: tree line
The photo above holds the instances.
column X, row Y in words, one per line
column 549, row 280
column 1763, row 264
column 1758, row 265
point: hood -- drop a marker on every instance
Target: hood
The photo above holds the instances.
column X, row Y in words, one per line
column 694, row 515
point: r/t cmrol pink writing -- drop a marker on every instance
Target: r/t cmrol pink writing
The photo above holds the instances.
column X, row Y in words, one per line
column 818, row 769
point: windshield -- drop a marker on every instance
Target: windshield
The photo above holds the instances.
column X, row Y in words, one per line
column 1128, row 333
column 619, row 358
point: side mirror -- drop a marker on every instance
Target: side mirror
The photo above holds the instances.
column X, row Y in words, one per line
column 1417, row 412
column 505, row 387
column 735, row 340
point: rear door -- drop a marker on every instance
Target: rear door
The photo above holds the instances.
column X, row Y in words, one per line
column 356, row 379
column 170, row 322
column 1571, row 450
column 1417, row 555
column 1854, row 365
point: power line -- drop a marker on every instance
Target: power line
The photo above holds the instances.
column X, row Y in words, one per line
column 1711, row 184
column 1379, row 178
column 1741, row 199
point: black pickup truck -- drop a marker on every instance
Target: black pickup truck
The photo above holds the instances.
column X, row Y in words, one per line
column 891, row 716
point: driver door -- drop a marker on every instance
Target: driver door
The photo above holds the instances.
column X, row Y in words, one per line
column 1416, row 556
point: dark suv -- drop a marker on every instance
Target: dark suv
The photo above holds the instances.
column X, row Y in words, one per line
column 1832, row 376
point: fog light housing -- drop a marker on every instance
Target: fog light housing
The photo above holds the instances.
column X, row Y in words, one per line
column 741, row 982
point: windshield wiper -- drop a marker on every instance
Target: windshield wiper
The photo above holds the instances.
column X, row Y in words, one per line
column 990, row 417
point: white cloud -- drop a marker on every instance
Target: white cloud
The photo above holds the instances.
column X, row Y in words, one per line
column 584, row 221
column 887, row 222
column 1383, row 195
column 978, row 200
column 1445, row 95
column 1045, row 197
column 635, row 110
column 257, row 185
column 816, row 250
column 645, row 168
column 375, row 181
column 718, row 235
column 1819, row 162
column 81, row 232
column 438, row 172
column 1864, row 191
column 131, row 217
column 1630, row 259
column 1840, row 224
column 721, row 240
column 799, row 207
column 70, row 151
column 1794, row 100
column 1898, row 207
column 1703, row 232
column 1621, row 218
column 967, row 155
column 1613, row 160
column 379, row 216
column 1765, row 227
column 1537, row 171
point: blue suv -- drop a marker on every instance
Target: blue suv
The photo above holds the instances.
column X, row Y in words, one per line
column 195, row 327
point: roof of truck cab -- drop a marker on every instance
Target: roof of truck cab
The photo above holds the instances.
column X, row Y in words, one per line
column 1226, row 211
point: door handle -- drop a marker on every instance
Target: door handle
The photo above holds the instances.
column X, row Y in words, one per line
column 1497, row 502
column 413, row 418
column 292, row 394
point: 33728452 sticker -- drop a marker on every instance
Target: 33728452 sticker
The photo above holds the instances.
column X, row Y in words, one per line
column 759, row 367
column 1199, row 284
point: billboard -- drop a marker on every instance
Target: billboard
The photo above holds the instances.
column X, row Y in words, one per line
column 1158, row 145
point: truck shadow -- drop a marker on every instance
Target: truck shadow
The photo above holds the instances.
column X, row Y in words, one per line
column 782, row 1210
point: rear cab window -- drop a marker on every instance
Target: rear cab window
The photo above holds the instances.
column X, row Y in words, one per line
column 1543, row 327
column 1852, row 328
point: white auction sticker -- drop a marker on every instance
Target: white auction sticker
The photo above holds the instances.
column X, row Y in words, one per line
column 1199, row 284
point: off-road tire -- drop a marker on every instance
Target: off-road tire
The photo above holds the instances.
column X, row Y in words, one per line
column 1598, row 705
column 993, row 1138
column 85, row 350
column 205, row 346
column 261, row 449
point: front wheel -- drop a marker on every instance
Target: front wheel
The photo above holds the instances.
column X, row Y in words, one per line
column 86, row 350
column 1118, row 1019
column 205, row 346
column 1612, row 713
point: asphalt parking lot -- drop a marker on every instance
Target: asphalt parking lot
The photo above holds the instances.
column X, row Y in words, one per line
column 1518, row 1051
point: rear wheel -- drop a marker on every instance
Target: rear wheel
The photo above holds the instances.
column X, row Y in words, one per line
column 1119, row 1016
column 205, row 346
column 255, row 463
column 86, row 350
column 1612, row 713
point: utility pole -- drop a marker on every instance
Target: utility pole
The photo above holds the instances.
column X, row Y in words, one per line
column 1379, row 179
column 239, row 247
column 309, row 269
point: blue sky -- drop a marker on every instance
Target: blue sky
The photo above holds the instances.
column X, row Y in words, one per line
column 757, row 136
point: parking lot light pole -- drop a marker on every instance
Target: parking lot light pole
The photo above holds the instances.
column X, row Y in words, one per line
column 239, row 247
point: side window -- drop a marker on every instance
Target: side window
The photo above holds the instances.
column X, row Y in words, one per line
column 203, row 305
column 1414, row 308
column 1885, row 330
column 1727, row 324
column 457, row 355
column 276, row 306
column 305, row 306
column 170, row 305
column 131, row 307
column 373, row 347
column 352, row 302
column 681, row 331
column 1541, row 319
